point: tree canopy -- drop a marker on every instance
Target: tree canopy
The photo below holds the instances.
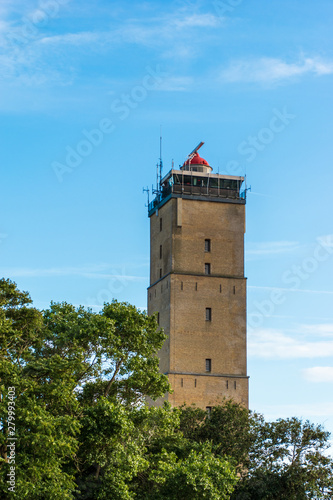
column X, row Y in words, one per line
column 73, row 388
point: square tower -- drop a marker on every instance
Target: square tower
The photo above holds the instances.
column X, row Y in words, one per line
column 197, row 283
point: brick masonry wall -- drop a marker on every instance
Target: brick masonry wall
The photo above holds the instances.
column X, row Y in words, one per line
column 184, row 292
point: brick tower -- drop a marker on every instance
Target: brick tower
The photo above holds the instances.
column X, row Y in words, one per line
column 197, row 283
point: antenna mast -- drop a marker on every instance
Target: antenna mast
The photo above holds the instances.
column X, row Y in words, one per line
column 146, row 190
column 161, row 163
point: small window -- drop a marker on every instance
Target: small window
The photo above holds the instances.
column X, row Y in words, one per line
column 207, row 245
column 208, row 365
column 195, row 382
column 207, row 268
column 235, row 385
column 158, row 318
column 161, row 251
column 181, row 382
column 208, row 314
column 234, row 290
column 196, row 286
column 227, row 384
column 209, row 409
column 160, row 273
column 161, row 224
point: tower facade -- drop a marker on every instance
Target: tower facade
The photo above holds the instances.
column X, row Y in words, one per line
column 197, row 284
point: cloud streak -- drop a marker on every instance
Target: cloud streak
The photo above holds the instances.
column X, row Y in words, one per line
column 94, row 272
column 319, row 374
column 291, row 290
column 272, row 70
column 276, row 344
column 271, row 248
column 318, row 410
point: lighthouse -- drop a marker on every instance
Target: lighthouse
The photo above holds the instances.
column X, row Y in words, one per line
column 197, row 283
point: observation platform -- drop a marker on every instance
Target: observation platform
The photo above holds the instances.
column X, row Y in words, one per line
column 202, row 185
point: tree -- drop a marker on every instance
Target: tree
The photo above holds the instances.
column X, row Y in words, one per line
column 73, row 371
column 288, row 462
column 230, row 427
column 76, row 381
column 177, row 467
column 282, row 460
column 201, row 474
column 32, row 408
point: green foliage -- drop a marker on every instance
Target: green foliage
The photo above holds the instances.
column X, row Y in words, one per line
column 45, row 427
column 75, row 372
column 230, row 427
column 288, row 462
column 201, row 474
column 84, row 431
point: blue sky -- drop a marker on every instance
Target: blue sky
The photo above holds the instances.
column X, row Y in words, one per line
column 84, row 88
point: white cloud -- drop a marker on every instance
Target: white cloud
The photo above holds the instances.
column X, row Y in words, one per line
column 197, row 21
column 273, row 70
column 320, row 410
column 95, row 272
column 271, row 247
column 291, row 290
column 73, row 38
column 32, row 57
column 319, row 374
column 324, row 329
column 178, row 84
column 275, row 344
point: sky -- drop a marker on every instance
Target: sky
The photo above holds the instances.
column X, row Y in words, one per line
column 84, row 89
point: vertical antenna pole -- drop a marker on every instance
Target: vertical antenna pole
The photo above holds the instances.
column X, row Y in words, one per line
column 161, row 164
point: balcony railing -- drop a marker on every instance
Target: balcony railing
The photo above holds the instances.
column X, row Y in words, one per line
column 204, row 191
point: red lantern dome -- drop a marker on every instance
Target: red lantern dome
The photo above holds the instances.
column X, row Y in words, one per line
column 196, row 160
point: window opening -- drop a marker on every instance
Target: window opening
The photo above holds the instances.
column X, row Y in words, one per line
column 207, row 268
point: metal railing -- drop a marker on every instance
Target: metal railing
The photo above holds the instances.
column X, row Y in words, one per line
column 204, row 191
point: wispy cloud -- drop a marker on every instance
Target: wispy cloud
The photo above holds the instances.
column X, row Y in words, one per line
column 324, row 330
column 271, row 248
column 33, row 56
column 319, row 374
column 276, row 344
column 78, row 39
column 306, row 410
column 85, row 272
column 197, row 21
column 273, row 70
column 178, row 83
column 290, row 290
